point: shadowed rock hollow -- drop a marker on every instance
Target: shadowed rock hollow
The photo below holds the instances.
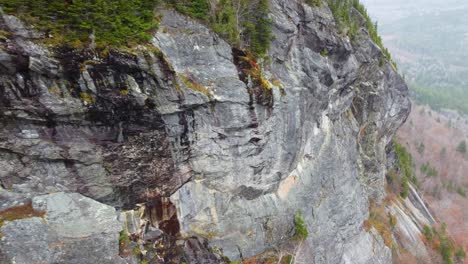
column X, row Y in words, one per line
column 177, row 127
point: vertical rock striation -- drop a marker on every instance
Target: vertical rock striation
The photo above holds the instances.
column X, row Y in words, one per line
column 179, row 122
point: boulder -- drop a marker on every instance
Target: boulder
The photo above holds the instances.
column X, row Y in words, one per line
column 66, row 228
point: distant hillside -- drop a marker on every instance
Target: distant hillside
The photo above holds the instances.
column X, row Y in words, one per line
column 441, row 165
column 429, row 41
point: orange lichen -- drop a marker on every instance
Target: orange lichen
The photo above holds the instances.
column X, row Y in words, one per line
column 19, row 212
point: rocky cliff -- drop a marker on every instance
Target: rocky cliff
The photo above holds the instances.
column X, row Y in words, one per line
column 180, row 130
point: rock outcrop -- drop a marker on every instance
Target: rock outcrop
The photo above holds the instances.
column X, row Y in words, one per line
column 178, row 127
column 70, row 229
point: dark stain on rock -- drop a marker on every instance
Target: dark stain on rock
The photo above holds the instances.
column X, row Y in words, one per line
column 249, row 193
column 163, row 215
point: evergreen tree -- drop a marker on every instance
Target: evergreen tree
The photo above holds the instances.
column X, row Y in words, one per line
column 195, row 8
column 261, row 37
column 224, row 22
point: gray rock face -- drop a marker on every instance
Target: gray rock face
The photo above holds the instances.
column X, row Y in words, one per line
column 356, row 250
column 320, row 148
column 182, row 123
column 74, row 229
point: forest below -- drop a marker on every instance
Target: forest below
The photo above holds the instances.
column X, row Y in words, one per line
column 429, row 42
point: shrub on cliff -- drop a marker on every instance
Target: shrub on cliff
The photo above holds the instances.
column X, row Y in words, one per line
column 462, row 147
column 300, row 227
column 460, row 254
column 314, row 2
column 406, row 166
column 194, row 8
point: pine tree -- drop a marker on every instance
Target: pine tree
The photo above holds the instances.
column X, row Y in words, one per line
column 224, row 21
column 261, row 36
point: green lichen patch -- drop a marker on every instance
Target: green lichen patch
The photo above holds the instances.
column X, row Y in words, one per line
column 4, row 35
column 192, row 84
column 55, row 91
column 86, row 98
column 124, row 244
column 136, row 251
column 89, row 62
column 324, row 53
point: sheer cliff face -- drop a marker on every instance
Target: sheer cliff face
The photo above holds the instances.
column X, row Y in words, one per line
column 181, row 128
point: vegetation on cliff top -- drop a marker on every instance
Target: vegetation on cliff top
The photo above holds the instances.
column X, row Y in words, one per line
column 432, row 50
column 243, row 23
column 348, row 22
column 78, row 23
column 84, row 23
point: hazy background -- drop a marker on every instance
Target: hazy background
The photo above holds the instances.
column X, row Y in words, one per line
column 429, row 41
